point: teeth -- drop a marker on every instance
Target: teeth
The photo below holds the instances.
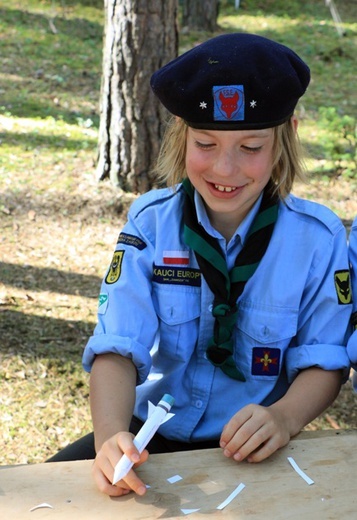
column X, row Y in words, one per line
column 227, row 189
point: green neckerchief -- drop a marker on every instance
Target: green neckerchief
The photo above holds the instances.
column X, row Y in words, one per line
column 226, row 285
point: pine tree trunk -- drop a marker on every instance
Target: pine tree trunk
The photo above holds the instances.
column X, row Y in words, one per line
column 200, row 14
column 140, row 36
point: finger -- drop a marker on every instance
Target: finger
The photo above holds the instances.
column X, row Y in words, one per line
column 253, row 442
column 125, row 444
column 143, row 458
column 134, row 482
column 114, row 459
column 103, row 463
column 264, row 451
column 131, row 480
column 234, row 425
column 247, row 437
column 104, row 485
column 130, row 483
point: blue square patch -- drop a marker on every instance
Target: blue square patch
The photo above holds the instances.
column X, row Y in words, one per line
column 265, row 361
column 228, row 103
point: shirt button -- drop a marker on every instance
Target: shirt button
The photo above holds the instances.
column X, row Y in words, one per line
column 265, row 331
column 198, row 403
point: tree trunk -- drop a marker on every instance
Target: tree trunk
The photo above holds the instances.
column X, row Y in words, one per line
column 140, row 36
column 200, row 14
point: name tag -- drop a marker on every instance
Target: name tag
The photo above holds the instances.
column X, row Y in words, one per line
column 177, row 275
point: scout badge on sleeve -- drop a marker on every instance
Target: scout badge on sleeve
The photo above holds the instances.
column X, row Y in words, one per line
column 115, row 268
column 343, row 287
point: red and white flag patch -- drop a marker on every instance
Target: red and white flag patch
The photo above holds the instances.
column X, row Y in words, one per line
column 176, row 257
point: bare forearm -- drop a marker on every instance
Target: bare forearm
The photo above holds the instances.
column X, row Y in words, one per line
column 310, row 394
column 112, row 395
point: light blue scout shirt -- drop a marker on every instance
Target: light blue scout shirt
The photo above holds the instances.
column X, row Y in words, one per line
column 293, row 313
column 352, row 342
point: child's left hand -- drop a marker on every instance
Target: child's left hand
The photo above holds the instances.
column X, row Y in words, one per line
column 254, row 433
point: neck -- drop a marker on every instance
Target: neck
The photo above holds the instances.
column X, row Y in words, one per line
column 226, row 223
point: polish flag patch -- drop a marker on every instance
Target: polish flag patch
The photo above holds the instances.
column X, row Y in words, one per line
column 176, row 257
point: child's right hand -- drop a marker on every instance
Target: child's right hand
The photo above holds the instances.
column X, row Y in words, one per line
column 106, row 459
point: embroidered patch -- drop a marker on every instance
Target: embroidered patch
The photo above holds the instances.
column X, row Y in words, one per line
column 131, row 240
column 343, row 287
column 176, row 257
column 115, row 268
column 177, row 276
column 265, row 361
column 228, row 103
column 102, row 303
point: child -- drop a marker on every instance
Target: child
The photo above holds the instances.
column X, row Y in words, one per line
column 241, row 288
column 352, row 343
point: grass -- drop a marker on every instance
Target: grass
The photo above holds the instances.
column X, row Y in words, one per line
column 59, row 226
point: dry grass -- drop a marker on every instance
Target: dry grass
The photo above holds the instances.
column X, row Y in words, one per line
column 53, row 256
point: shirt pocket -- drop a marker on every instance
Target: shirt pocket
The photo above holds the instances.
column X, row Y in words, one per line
column 263, row 334
column 178, row 313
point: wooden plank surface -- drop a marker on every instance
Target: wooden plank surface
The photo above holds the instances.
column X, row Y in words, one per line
column 273, row 490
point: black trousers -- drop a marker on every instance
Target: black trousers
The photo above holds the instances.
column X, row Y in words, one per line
column 83, row 448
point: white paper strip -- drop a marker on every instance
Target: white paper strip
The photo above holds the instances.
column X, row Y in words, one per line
column 189, row 511
column 174, row 479
column 229, row 499
column 40, row 506
column 300, row 472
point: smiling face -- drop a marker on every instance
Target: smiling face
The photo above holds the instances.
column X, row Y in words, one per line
column 229, row 169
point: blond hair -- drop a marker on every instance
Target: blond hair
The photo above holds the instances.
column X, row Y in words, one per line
column 287, row 153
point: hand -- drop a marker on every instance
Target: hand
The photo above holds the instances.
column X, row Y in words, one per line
column 254, row 433
column 106, row 459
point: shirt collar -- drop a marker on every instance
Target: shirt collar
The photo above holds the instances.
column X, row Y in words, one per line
column 241, row 231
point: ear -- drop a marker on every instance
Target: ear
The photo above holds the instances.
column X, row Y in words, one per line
column 295, row 122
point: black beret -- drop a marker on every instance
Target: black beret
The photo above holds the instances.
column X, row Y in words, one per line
column 235, row 81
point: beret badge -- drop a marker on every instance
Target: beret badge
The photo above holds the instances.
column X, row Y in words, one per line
column 228, row 103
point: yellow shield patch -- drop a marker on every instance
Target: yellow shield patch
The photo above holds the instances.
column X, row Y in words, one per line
column 343, row 287
column 115, row 268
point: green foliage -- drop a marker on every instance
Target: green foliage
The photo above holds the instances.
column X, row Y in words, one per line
column 340, row 140
column 51, row 53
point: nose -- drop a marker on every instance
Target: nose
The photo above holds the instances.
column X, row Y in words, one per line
column 226, row 164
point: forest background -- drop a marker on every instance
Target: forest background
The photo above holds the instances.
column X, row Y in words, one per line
column 59, row 226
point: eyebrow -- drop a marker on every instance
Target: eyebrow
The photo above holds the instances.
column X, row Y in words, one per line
column 259, row 135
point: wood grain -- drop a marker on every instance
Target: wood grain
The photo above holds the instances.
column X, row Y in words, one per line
column 273, row 489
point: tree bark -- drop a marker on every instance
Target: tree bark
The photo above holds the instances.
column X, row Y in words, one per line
column 140, row 36
column 200, row 14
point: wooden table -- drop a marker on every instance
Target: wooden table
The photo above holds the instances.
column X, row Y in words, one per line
column 273, row 489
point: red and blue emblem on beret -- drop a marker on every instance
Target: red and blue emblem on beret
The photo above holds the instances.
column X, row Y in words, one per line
column 228, row 103
column 265, row 361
